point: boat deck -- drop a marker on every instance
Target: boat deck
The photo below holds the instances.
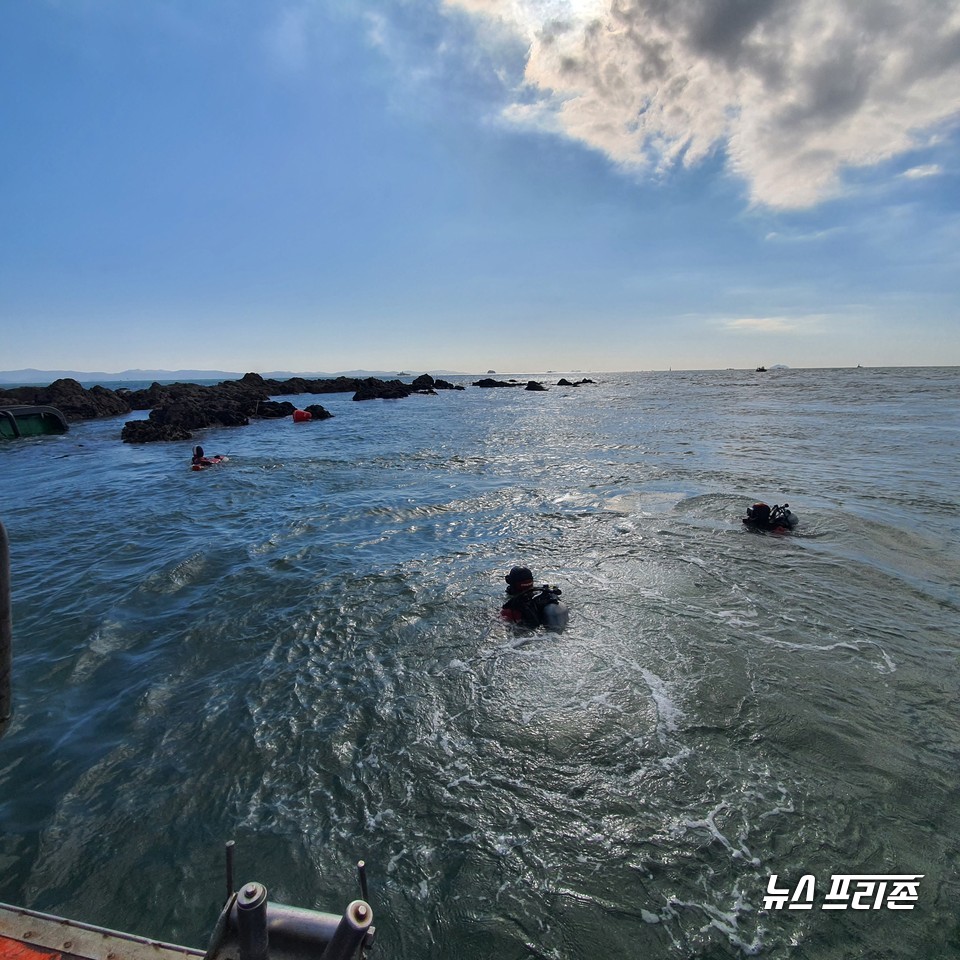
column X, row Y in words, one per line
column 27, row 935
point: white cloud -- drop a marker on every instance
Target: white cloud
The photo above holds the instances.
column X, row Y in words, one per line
column 795, row 91
column 814, row 236
column 762, row 325
column 920, row 173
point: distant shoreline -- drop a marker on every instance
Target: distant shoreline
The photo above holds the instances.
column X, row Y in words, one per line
column 31, row 377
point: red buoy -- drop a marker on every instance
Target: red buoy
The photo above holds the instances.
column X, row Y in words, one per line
column 302, row 416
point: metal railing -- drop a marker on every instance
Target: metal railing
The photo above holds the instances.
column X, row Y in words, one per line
column 252, row 928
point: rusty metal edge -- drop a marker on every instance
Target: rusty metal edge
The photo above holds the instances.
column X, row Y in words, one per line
column 84, row 940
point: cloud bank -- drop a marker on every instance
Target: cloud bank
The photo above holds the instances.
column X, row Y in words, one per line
column 793, row 92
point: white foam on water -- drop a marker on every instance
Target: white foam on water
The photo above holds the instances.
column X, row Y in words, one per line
column 738, row 850
column 888, row 665
column 668, row 712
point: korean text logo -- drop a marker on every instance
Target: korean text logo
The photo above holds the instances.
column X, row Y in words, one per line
column 854, row 891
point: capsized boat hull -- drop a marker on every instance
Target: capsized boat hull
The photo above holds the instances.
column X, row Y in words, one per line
column 30, row 421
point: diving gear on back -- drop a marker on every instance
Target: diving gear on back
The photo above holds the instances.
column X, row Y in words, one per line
column 530, row 606
column 763, row 517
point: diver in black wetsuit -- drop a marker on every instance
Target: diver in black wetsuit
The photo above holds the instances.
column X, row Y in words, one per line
column 776, row 518
column 530, row 606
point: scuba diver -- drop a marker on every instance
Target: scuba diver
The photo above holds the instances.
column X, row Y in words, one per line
column 776, row 518
column 200, row 461
column 530, row 606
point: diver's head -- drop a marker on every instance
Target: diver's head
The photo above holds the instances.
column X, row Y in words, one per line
column 519, row 578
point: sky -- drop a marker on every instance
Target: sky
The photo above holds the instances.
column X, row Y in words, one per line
column 464, row 185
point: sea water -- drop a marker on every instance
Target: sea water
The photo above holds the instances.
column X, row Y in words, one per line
column 300, row 651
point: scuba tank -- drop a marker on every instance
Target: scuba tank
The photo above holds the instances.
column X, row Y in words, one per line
column 553, row 611
column 783, row 517
column 763, row 517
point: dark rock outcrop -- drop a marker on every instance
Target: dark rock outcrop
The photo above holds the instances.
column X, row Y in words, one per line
column 318, row 413
column 373, row 389
column 282, row 388
column 250, row 383
column 274, row 409
column 176, row 409
column 176, row 420
column 148, row 431
column 423, row 383
column 183, row 407
column 426, row 384
column 74, row 401
column 489, row 382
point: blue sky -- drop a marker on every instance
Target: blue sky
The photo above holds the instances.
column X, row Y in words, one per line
column 517, row 185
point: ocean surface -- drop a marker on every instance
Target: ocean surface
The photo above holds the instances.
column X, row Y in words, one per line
column 300, row 651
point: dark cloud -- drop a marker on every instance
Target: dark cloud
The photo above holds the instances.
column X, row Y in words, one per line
column 724, row 28
column 794, row 91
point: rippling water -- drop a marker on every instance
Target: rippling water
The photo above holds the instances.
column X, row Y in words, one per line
column 299, row 650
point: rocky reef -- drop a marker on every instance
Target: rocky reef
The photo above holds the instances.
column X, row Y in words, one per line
column 73, row 400
column 177, row 409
